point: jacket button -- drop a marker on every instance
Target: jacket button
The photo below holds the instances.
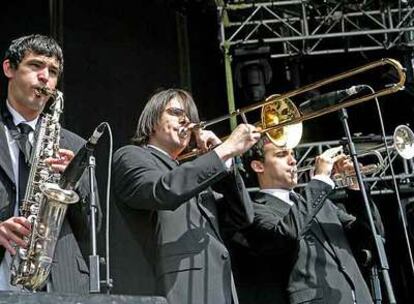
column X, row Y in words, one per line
column 225, row 255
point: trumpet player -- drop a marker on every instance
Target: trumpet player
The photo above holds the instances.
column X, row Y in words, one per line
column 169, row 223
column 297, row 250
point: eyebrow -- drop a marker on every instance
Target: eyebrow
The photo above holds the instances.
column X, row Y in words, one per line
column 52, row 65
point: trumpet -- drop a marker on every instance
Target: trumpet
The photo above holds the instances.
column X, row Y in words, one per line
column 345, row 179
column 281, row 121
column 402, row 142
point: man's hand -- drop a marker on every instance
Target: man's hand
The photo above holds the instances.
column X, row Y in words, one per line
column 12, row 232
column 206, row 139
column 60, row 163
column 324, row 164
column 345, row 167
column 240, row 140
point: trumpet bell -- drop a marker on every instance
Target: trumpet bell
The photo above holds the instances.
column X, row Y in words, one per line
column 279, row 111
column 404, row 141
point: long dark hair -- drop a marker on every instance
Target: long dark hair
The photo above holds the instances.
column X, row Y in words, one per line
column 154, row 108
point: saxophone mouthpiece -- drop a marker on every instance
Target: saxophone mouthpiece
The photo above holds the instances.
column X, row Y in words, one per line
column 293, row 172
column 45, row 91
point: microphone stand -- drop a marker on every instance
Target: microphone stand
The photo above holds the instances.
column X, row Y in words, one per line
column 94, row 275
column 379, row 245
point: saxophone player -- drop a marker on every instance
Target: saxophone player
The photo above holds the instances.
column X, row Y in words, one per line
column 31, row 64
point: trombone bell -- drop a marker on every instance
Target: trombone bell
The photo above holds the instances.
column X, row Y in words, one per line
column 279, row 111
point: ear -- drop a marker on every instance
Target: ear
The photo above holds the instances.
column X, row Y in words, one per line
column 257, row 166
column 7, row 69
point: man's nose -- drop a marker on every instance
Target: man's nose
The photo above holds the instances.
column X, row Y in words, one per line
column 184, row 120
column 44, row 75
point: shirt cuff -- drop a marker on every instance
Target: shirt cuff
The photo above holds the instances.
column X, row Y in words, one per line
column 228, row 163
column 325, row 179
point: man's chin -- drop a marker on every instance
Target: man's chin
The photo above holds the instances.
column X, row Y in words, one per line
column 293, row 183
column 37, row 104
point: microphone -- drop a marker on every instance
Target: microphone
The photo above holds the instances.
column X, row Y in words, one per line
column 74, row 170
column 328, row 99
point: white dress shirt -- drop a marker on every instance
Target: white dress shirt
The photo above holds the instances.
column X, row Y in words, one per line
column 283, row 194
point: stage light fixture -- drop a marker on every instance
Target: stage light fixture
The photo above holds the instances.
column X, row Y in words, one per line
column 252, row 71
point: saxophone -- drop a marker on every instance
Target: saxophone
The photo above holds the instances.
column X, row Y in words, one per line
column 44, row 204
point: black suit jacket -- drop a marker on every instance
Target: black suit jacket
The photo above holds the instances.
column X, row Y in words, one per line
column 305, row 248
column 165, row 222
column 69, row 273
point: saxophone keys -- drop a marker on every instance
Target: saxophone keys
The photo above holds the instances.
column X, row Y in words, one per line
column 39, row 247
column 23, row 253
column 41, row 229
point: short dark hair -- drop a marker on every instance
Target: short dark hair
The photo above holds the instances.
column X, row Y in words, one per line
column 36, row 43
column 256, row 152
column 154, row 108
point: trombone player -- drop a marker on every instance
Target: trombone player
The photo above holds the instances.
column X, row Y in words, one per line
column 169, row 222
column 299, row 250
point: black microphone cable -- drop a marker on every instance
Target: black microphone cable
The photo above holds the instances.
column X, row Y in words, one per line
column 108, row 280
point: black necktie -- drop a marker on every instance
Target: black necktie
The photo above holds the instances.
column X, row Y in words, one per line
column 24, row 156
column 23, row 140
column 294, row 197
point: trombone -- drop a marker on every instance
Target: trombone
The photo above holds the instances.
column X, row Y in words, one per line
column 281, row 120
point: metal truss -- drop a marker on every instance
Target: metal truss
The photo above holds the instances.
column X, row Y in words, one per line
column 306, row 27
column 379, row 183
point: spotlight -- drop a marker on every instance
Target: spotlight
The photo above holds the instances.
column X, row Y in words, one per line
column 253, row 71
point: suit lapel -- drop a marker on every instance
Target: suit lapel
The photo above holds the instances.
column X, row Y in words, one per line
column 327, row 216
column 203, row 200
column 323, row 235
column 275, row 204
column 164, row 158
column 5, row 159
column 282, row 206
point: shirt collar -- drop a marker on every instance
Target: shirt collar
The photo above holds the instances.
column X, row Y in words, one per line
column 282, row 194
column 18, row 118
column 159, row 149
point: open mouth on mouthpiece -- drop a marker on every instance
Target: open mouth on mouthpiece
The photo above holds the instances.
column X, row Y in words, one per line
column 183, row 132
column 37, row 92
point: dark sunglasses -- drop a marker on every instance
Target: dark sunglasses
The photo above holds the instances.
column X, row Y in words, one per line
column 176, row 112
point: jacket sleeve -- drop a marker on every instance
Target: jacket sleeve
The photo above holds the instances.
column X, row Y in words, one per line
column 279, row 228
column 234, row 206
column 355, row 206
column 358, row 231
column 141, row 181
